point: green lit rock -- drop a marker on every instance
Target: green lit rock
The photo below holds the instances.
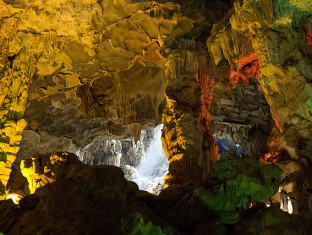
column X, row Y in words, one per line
column 272, row 221
column 279, row 34
column 138, row 226
column 235, row 183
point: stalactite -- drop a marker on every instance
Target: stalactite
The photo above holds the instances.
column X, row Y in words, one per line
column 101, row 151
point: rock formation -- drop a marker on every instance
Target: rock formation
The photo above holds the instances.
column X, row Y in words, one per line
column 221, row 76
column 187, row 139
column 277, row 32
column 237, row 182
column 87, row 195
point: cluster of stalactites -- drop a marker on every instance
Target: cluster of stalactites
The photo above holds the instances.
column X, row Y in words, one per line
column 280, row 35
column 14, row 84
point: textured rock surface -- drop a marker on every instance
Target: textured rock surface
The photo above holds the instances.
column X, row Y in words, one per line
column 181, row 208
column 44, row 169
column 88, row 69
column 73, row 72
column 53, row 52
column 277, row 31
column 83, row 199
column 241, row 116
column 186, row 138
column 297, row 185
column 272, row 220
column 97, row 200
column 236, row 182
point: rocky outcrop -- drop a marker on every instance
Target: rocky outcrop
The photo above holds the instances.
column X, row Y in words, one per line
column 109, row 151
column 296, row 184
column 272, row 220
column 101, row 151
column 181, row 208
column 277, row 30
column 83, row 199
column 241, row 117
column 44, row 169
column 186, row 138
column 236, row 182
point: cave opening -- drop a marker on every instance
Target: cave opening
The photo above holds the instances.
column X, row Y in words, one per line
column 241, row 119
column 224, row 145
column 143, row 161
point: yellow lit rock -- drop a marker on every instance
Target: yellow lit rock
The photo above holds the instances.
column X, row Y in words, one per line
column 282, row 52
column 41, row 170
column 15, row 197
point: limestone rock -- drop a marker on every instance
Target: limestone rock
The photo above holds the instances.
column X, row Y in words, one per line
column 272, row 220
column 77, row 65
column 235, row 183
column 186, row 138
column 86, row 199
column 242, row 117
column 283, row 56
column 181, row 208
column 75, row 72
column 45, row 169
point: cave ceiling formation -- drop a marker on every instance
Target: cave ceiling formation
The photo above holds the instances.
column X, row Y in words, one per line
column 227, row 71
column 90, row 69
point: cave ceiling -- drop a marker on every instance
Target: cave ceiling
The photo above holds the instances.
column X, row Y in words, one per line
column 74, row 70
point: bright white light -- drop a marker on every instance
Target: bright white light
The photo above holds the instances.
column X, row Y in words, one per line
column 290, row 206
column 15, row 197
column 153, row 166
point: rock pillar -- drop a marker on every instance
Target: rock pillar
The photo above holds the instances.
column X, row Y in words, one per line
column 186, row 138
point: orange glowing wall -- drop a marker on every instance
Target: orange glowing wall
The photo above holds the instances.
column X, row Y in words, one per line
column 309, row 35
column 246, row 67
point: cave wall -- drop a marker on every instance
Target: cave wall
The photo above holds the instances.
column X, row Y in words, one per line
column 186, row 137
column 82, row 69
column 241, row 117
column 279, row 31
column 72, row 71
column 87, row 69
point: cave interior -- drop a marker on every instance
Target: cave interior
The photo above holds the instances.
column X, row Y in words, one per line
column 156, row 117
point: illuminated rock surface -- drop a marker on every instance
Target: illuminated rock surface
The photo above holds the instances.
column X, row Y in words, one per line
column 219, row 75
column 96, row 199
column 284, row 59
column 242, row 117
column 236, row 182
column 186, row 138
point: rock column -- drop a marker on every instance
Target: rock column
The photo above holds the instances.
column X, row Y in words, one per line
column 186, row 138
